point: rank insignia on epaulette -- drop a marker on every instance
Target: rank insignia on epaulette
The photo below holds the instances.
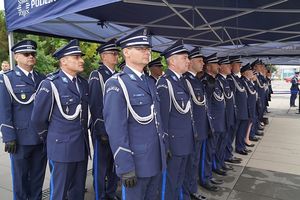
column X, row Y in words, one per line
column 18, row 73
column 106, row 72
column 64, row 79
column 23, row 96
column 132, row 77
column 174, row 78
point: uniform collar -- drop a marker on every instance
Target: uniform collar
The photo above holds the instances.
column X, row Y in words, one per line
column 24, row 71
column 223, row 75
column 192, row 73
column 68, row 75
column 112, row 71
column 178, row 75
column 139, row 74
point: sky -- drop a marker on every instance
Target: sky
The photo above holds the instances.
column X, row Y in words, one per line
column 1, row 4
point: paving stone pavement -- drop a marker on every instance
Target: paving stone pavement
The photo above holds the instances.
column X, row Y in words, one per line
column 270, row 172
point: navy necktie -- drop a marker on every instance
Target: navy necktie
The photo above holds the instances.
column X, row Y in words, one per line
column 74, row 80
column 31, row 76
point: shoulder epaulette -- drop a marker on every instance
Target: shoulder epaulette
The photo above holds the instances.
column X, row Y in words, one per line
column 52, row 75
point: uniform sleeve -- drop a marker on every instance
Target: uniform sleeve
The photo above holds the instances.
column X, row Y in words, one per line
column 96, row 103
column 163, row 93
column 42, row 108
column 116, row 123
column 6, row 117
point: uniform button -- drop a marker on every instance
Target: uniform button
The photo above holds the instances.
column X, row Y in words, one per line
column 173, row 136
column 159, row 134
column 56, row 140
column 117, row 166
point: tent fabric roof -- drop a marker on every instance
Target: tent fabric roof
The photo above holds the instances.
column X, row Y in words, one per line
column 229, row 27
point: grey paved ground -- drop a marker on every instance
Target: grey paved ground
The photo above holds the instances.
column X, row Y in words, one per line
column 270, row 172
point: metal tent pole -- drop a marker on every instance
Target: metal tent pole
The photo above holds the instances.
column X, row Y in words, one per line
column 10, row 44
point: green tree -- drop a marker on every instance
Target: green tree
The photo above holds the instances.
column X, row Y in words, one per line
column 3, row 38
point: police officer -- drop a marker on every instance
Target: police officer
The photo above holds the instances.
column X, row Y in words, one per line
column 200, row 120
column 4, row 67
column 294, row 89
column 260, row 85
column 216, row 116
column 132, row 120
column 155, row 68
column 270, row 90
column 240, row 95
column 175, row 106
column 105, row 178
column 60, row 115
column 27, row 155
column 247, row 75
column 224, row 140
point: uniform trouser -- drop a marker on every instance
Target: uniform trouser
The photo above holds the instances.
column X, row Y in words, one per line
column 207, row 157
column 254, row 127
column 293, row 97
column 145, row 189
column 192, row 169
column 241, row 131
column 230, row 138
column 176, row 172
column 220, row 151
column 261, row 111
column 103, row 169
column 67, row 180
column 28, row 167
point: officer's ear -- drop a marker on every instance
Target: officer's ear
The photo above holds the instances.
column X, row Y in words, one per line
column 62, row 61
column 16, row 56
column 125, row 52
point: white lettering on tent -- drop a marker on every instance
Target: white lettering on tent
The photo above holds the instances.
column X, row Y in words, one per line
column 38, row 3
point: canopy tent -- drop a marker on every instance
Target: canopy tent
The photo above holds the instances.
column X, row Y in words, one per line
column 248, row 28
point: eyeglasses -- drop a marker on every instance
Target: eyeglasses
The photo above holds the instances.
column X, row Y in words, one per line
column 114, row 53
column 33, row 54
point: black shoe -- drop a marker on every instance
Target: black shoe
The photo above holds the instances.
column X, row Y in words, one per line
column 261, row 128
column 216, row 181
column 233, row 160
column 249, row 145
column 241, row 152
column 265, row 120
column 259, row 133
column 220, row 172
column 254, row 139
column 236, row 158
column 197, row 196
column 209, row 186
column 247, row 150
column 227, row 167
